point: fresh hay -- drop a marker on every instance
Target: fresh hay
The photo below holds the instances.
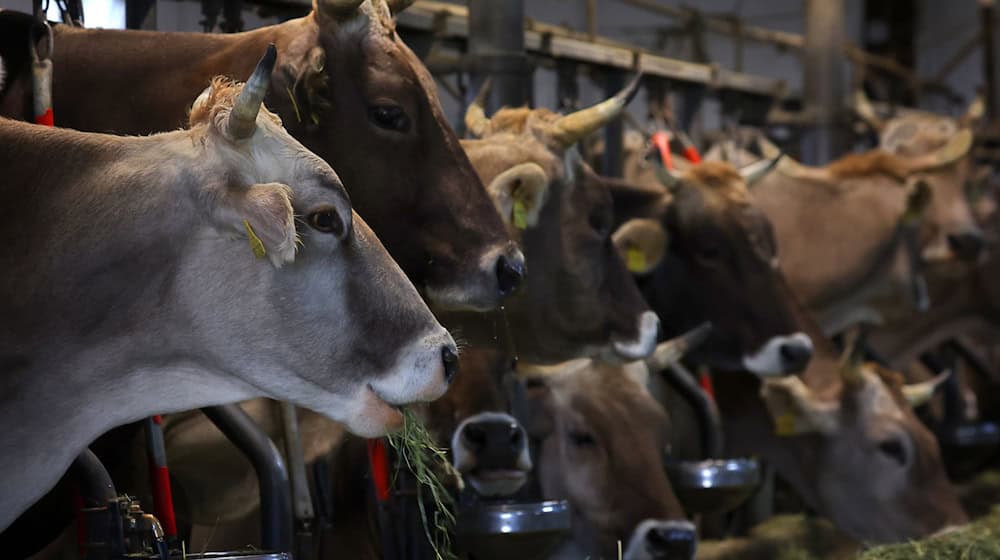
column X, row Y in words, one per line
column 417, row 450
column 979, row 540
column 784, row 537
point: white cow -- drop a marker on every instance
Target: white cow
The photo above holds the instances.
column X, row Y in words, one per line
column 155, row 274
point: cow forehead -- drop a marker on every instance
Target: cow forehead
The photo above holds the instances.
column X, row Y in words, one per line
column 917, row 134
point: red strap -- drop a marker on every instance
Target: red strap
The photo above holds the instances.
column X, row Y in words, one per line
column 378, row 459
column 661, row 140
column 705, row 380
column 163, row 501
column 691, row 154
column 45, row 118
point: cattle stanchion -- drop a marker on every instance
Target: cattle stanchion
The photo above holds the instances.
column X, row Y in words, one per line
column 41, row 79
column 159, row 476
column 272, row 476
column 301, row 498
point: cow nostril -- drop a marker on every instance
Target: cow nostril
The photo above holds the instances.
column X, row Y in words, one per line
column 680, row 543
column 967, row 245
column 795, row 355
column 450, row 360
column 510, row 272
column 516, row 438
column 475, row 436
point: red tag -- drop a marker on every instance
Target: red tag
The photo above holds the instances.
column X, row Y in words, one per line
column 662, row 142
column 46, row 118
column 705, row 380
column 691, row 154
column 378, row 459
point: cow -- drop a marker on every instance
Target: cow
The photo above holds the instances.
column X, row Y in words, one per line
column 845, row 437
column 580, row 299
column 346, row 86
column 719, row 243
column 601, row 440
column 144, row 297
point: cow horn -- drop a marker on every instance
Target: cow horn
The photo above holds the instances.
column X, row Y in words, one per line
column 974, row 113
column 243, row 117
column 338, row 10
column 759, row 169
column 918, row 394
column 956, row 148
column 571, row 128
column 863, row 107
column 476, row 120
column 396, row 6
column 671, row 351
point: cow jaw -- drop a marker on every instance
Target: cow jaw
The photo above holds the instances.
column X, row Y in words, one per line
column 780, row 355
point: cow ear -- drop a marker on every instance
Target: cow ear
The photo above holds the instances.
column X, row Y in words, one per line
column 642, row 243
column 262, row 214
column 796, row 410
column 519, row 194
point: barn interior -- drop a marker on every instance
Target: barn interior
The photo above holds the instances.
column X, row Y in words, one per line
column 532, row 279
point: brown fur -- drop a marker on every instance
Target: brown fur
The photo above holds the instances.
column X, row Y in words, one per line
column 516, row 120
column 222, row 95
column 868, row 163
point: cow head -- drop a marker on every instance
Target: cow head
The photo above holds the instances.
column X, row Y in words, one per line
column 867, row 461
column 309, row 339
column 579, row 298
column 601, row 439
column 367, row 105
column 919, row 135
column 721, row 266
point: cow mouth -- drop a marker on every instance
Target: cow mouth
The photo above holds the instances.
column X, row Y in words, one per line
column 496, row 482
column 389, row 414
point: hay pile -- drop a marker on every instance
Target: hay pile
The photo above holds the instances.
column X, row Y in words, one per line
column 980, row 540
column 785, row 537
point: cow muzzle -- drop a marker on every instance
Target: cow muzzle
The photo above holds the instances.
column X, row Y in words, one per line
column 780, row 355
column 654, row 539
column 491, row 451
column 422, row 373
column 497, row 275
column 966, row 246
column 644, row 342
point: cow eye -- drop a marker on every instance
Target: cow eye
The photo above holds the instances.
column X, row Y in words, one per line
column 389, row 117
column 581, row 439
column 327, row 221
column 895, row 450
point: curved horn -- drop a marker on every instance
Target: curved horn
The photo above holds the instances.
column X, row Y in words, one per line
column 917, row 394
column 956, row 148
column 673, row 350
column 863, row 107
column 975, row 111
column 243, row 117
column 570, row 129
column 338, row 10
column 476, row 120
column 396, row 6
column 759, row 169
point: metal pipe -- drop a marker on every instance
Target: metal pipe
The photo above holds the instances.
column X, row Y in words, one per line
column 614, row 144
column 96, row 486
column 496, row 48
column 986, row 17
column 684, row 382
column 272, row 476
column 301, row 497
column 824, row 84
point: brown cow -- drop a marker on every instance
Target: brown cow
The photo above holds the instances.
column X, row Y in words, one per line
column 601, row 440
column 143, row 297
column 719, row 243
column 580, row 299
column 346, row 87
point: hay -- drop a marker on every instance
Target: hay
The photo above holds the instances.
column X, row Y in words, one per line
column 416, row 449
column 980, row 540
column 784, row 537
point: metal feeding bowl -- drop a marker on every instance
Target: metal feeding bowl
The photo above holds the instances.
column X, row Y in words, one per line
column 526, row 531
column 968, row 448
column 714, row 485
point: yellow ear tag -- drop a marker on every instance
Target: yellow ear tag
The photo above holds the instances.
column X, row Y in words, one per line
column 784, row 425
column 520, row 215
column 635, row 260
column 256, row 245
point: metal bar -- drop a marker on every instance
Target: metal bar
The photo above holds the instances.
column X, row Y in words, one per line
column 592, row 19
column 496, row 49
column 272, row 476
column 986, row 16
column 684, row 382
column 614, row 132
column 824, row 84
column 96, row 486
column 960, row 55
column 301, row 497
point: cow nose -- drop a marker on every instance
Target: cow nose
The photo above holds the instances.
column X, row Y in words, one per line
column 510, row 272
column 474, row 435
column 450, row 360
column 497, row 435
column 796, row 355
column 966, row 245
column 672, row 542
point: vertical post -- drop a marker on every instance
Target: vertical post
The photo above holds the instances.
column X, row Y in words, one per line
column 990, row 58
column 140, row 14
column 824, row 85
column 592, row 19
column 614, row 149
column 496, row 48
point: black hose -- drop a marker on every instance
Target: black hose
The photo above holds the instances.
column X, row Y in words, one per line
column 95, row 482
column 272, row 475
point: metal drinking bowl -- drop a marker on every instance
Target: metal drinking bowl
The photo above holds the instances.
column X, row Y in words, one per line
column 714, row 485
column 526, row 531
